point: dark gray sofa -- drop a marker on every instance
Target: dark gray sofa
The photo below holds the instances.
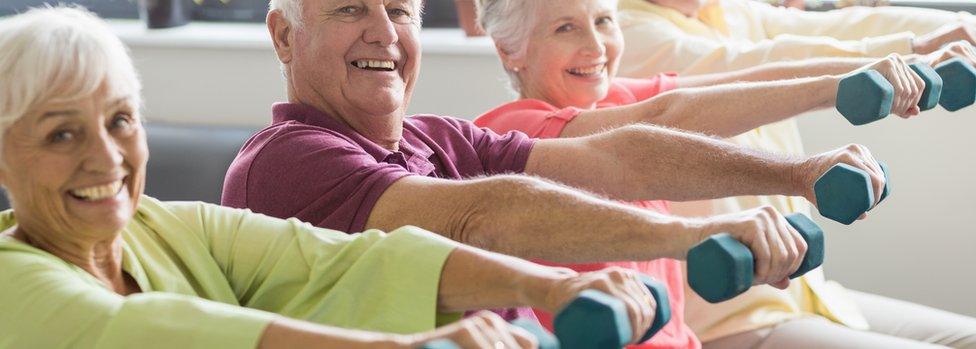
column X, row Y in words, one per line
column 187, row 162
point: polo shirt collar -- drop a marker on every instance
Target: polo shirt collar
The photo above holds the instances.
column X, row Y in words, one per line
column 414, row 154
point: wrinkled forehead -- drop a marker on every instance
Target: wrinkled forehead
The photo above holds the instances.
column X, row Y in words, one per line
column 572, row 8
column 313, row 4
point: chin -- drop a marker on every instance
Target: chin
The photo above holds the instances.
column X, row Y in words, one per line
column 382, row 104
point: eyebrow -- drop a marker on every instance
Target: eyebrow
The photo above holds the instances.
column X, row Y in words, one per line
column 58, row 113
column 74, row 112
column 563, row 18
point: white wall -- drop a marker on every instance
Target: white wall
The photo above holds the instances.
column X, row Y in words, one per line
column 918, row 246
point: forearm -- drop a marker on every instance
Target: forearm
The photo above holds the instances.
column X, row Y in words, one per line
column 476, row 279
column 779, row 71
column 290, row 333
column 642, row 162
column 531, row 218
column 731, row 109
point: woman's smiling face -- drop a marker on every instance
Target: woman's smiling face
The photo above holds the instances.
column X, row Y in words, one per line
column 77, row 167
column 572, row 52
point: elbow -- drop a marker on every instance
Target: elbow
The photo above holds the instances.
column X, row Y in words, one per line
column 501, row 213
column 675, row 109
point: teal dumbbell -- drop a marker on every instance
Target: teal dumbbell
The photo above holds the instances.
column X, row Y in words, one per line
column 596, row 320
column 959, row 89
column 866, row 97
column 721, row 267
column 844, row 192
column 592, row 320
column 546, row 340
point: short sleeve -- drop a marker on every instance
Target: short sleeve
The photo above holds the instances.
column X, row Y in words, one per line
column 502, row 152
column 49, row 304
column 535, row 118
column 319, row 178
column 643, row 89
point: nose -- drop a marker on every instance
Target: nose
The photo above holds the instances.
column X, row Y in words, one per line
column 380, row 29
column 102, row 153
column 593, row 45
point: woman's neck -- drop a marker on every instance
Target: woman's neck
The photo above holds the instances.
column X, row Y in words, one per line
column 102, row 258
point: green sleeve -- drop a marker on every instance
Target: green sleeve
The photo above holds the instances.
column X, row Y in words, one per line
column 370, row 281
column 49, row 304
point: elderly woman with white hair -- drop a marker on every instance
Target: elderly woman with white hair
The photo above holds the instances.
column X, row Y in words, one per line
column 90, row 262
column 563, row 56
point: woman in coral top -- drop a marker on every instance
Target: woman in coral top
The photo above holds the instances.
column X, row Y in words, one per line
column 562, row 57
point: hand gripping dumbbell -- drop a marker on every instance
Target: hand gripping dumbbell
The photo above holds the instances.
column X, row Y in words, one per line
column 866, row 97
column 592, row 320
column 959, row 88
column 596, row 320
column 845, row 192
column 721, row 267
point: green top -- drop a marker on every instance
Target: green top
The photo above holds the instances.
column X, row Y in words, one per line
column 212, row 277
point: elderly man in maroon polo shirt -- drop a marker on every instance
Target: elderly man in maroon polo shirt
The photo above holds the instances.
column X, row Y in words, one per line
column 342, row 154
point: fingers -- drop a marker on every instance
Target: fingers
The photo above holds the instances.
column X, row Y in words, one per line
column 761, row 251
column 523, row 337
column 860, row 157
column 501, row 331
column 908, row 87
column 791, row 242
column 638, row 308
column 870, row 165
column 487, row 330
column 626, row 286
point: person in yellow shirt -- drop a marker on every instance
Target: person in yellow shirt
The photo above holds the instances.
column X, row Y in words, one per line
column 87, row 261
column 711, row 36
column 715, row 36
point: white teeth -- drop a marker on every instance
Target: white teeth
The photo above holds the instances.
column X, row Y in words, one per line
column 597, row 69
column 98, row 192
column 368, row 63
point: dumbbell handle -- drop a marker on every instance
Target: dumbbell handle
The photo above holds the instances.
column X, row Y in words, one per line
column 738, row 267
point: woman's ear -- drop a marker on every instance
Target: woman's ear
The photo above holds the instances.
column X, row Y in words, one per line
column 508, row 61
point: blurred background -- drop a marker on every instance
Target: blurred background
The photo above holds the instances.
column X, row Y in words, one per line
column 216, row 69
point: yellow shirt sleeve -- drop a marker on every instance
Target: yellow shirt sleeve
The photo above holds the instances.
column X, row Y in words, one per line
column 375, row 281
column 737, row 34
column 853, row 23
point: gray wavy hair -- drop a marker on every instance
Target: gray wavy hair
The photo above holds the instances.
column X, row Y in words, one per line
column 508, row 23
column 53, row 54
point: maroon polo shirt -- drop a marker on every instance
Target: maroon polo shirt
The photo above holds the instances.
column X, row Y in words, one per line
column 316, row 168
column 311, row 166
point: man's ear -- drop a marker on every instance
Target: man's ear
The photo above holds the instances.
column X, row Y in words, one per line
column 281, row 35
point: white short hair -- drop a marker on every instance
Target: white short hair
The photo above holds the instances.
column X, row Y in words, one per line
column 290, row 9
column 509, row 23
column 53, row 54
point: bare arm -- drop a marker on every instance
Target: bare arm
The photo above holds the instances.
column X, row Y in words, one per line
column 779, row 71
column 640, row 162
column 531, row 218
column 723, row 110
column 716, row 104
